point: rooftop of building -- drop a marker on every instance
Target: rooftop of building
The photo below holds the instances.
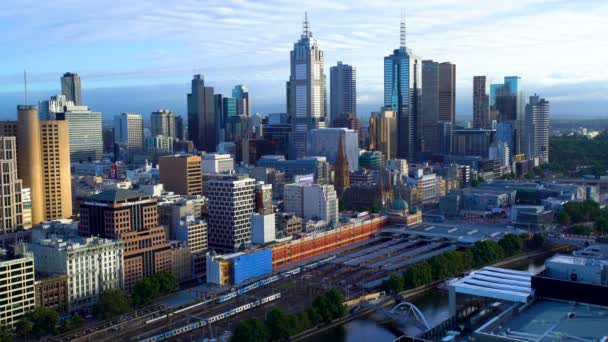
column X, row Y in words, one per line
column 118, row 195
column 545, row 321
column 459, row 233
column 576, row 260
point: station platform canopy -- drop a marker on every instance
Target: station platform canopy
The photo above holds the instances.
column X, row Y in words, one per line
column 496, row 283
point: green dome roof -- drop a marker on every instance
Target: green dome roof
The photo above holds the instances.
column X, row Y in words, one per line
column 399, row 203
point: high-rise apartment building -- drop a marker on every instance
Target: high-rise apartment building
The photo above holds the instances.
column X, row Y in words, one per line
column 55, row 142
column 481, row 103
column 129, row 132
column 402, row 89
column 536, row 140
column 85, row 133
column 131, row 217
column 306, row 91
column 325, row 142
column 70, row 87
column 92, row 265
column 17, row 289
column 383, row 133
column 231, row 204
column 11, row 207
column 181, row 174
column 343, row 92
column 312, row 201
column 240, row 93
column 202, row 128
column 162, row 122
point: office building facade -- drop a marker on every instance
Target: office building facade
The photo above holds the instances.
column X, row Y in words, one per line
column 481, row 103
column 162, row 122
column 17, row 290
column 402, row 90
column 11, row 207
column 132, row 218
column 508, row 103
column 202, row 128
column 312, row 202
column 240, row 94
column 306, row 92
column 343, row 93
column 536, row 140
column 85, row 132
column 129, row 132
column 71, row 88
column 383, row 133
column 325, row 142
column 181, row 174
column 231, row 204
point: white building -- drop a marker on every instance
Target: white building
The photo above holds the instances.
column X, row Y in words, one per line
column 159, row 144
column 129, row 132
column 398, row 165
column 16, row 289
column 324, row 142
column 217, row 163
column 92, row 265
column 312, row 201
column 262, row 228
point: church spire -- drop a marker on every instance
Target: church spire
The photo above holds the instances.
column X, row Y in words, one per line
column 341, row 175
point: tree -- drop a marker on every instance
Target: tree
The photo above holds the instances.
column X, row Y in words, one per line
column 322, row 307
column 315, row 316
column 486, row 252
column 251, row 330
column 511, row 244
column 154, row 286
column 601, row 225
column 112, row 302
column 581, row 230
column 418, row 275
column 24, row 326
column 6, row 333
column 336, row 302
column 394, row 283
column 537, row 241
column 279, row 325
column 304, row 320
column 439, row 267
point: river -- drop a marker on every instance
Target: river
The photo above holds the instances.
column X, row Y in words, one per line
column 433, row 304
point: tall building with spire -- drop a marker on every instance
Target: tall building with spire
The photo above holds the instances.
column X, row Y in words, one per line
column 402, row 90
column 306, row 91
column 341, row 175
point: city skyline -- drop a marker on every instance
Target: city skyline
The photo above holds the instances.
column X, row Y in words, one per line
column 147, row 61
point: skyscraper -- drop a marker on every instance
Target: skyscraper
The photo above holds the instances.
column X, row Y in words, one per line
column 383, row 133
column 447, row 92
column 230, row 209
column 180, row 130
column 402, row 87
column 129, row 132
column 536, row 140
column 85, row 131
column 343, row 92
column 507, row 100
column 481, row 104
column 306, row 89
column 429, row 109
column 70, row 87
column 48, row 179
column 243, row 103
column 181, row 174
column 202, row 128
column 163, row 123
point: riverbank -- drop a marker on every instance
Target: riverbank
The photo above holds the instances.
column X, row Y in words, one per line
column 419, row 291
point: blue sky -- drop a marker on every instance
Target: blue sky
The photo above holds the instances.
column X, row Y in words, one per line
column 140, row 55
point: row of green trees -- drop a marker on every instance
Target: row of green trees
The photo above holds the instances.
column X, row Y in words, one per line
column 279, row 326
column 587, row 211
column 44, row 321
column 453, row 263
column 114, row 302
column 569, row 153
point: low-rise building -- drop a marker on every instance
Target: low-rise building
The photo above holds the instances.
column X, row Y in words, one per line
column 236, row 268
column 52, row 292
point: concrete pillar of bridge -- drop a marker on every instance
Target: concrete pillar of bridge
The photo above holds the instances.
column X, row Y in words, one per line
column 452, row 299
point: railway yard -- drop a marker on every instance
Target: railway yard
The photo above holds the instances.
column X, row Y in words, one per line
column 355, row 270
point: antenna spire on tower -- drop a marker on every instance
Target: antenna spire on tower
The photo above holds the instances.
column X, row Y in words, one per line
column 306, row 26
column 402, row 37
column 25, row 85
